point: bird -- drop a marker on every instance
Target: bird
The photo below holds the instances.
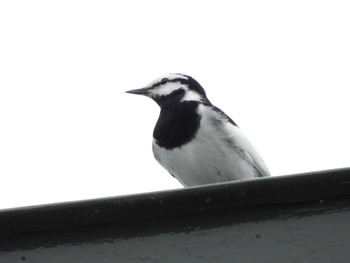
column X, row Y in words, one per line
column 195, row 141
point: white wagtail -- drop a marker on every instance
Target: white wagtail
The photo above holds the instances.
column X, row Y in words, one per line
column 196, row 141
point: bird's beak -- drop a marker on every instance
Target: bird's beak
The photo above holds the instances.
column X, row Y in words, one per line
column 143, row 91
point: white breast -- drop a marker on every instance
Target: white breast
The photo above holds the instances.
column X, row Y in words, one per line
column 218, row 153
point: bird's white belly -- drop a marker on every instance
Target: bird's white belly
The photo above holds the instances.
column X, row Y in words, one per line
column 204, row 160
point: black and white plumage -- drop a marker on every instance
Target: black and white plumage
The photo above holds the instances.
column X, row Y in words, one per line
column 196, row 141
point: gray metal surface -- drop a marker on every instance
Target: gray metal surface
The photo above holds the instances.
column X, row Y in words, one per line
column 299, row 218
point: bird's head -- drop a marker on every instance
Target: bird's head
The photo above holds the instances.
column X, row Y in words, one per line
column 173, row 88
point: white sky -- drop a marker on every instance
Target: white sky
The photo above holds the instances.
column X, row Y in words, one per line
column 68, row 131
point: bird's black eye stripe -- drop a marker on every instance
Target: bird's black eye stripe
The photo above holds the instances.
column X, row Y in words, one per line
column 164, row 81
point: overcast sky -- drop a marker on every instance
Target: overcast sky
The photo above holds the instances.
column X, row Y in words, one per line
column 279, row 69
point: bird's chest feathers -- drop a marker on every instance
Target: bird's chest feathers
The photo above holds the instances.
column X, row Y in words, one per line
column 177, row 125
column 204, row 159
